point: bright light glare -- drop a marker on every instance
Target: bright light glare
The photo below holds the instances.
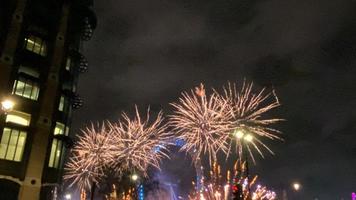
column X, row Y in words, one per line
column 134, row 177
column 238, row 134
column 68, row 196
column 7, row 105
column 248, row 138
column 296, row 186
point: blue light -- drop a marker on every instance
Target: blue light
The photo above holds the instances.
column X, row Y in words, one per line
column 140, row 192
column 179, row 142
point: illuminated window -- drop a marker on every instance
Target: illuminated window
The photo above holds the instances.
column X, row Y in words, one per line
column 59, row 129
column 56, row 153
column 26, row 88
column 68, row 63
column 12, row 144
column 20, row 118
column 36, row 45
column 61, row 103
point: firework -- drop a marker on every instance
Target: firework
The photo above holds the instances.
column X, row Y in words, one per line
column 248, row 113
column 89, row 156
column 140, row 142
column 127, row 145
column 218, row 188
column 202, row 122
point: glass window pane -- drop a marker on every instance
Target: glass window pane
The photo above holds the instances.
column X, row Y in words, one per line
column 53, row 153
column 20, row 118
column 36, row 45
column 20, row 86
column 28, row 90
column 12, row 145
column 58, row 154
column 20, row 146
column 4, row 142
column 59, row 129
column 35, row 92
column 44, row 49
column 61, row 103
column 67, row 131
column 29, row 43
column 68, row 63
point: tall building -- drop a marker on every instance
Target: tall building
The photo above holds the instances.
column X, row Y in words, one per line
column 40, row 62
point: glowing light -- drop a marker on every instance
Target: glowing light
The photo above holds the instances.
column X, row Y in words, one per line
column 7, row 105
column 247, row 109
column 239, row 134
column 296, row 186
column 140, row 192
column 134, row 177
column 68, row 196
column 353, row 196
column 248, row 138
column 216, row 189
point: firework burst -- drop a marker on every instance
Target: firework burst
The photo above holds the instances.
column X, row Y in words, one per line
column 202, row 122
column 248, row 113
column 219, row 189
column 89, row 156
column 138, row 140
column 114, row 148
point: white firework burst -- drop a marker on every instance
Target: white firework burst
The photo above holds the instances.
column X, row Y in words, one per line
column 202, row 122
column 138, row 140
column 248, row 111
column 90, row 155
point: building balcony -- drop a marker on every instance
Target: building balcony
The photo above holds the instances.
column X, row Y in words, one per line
column 80, row 62
column 87, row 19
column 75, row 100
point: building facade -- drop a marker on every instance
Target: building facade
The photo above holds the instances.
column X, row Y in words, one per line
column 40, row 61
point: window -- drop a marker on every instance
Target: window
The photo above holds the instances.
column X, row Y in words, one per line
column 29, row 71
column 12, row 144
column 61, row 103
column 68, row 63
column 36, row 45
column 59, row 129
column 20, row 118
column 26, row 88
column 56, row 153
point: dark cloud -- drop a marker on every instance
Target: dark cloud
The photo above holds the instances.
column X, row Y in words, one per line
column 147, row 52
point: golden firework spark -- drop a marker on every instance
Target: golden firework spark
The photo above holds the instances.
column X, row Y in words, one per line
column 202, row 121
column 248, row 113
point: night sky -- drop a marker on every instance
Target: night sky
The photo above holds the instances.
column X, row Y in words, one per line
column 148, row 52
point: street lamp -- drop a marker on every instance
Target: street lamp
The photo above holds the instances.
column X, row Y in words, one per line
column 241, row 135
column 68, row 196
column 296, row 186
column 134, row 177
column 7, row 105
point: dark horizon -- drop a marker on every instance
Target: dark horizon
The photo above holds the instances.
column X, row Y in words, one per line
column 147, row 53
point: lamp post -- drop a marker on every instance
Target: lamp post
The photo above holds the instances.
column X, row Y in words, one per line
column 296, row 186
column 140, row 190
column 242, row 137
column 7, row 105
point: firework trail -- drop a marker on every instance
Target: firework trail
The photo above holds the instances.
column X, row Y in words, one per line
column 202, row 121
column 248, row 113
column 138, row 140
column 89, row 156
column 219, row 189
column 126, row 145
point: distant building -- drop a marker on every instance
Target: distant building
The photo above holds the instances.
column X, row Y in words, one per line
column 40, row 61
